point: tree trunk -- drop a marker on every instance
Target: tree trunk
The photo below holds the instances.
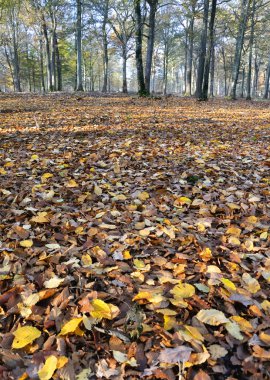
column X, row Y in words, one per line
column 79, row 86
column 150, row 43
column 239, row 46
column 225, row 71
column 124, row 57
column 16, row 64
column 58, row 65
column 190, row 54
column 165, row 68
column 48, row 54
column 201, row 65
column 256, row 76
column 212, row 73
column 267, row 77
column 251, row 42
column 105, row 48
column 138, row 39
column 243, row 82
column 41, row 65
column 210, row 50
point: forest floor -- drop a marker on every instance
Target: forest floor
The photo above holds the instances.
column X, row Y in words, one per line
column 134, row 238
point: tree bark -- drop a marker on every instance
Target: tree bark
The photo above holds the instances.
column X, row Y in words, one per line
column 210, row 50
column 201, row 65
column 190, row 52
column 267, row 77
column 79, row 86
column 239, row 46
column 124, row 57
column 138, row 39
column 150, row 44
column 48, row 53
column 105, row 48
column 41, row 64
column 251, row 42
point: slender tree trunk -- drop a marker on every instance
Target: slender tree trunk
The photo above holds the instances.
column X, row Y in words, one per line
column 202, row 56
column 239, row 46
column 251, row 42
column 41, row 64
column 48, row 54
column 186, row 61
column 212, row 73
column 124, row 57
column 225, row 71
column 190, row 54
column 105, row 47
column 138, row 39
column 53, row 44
column 256, row 76
column 210, row 50
column 16, row 64
column 243, row 82
column 150, row 43
column 267, row 77
column 58, row 65
column 165, row 68
column 79, row 46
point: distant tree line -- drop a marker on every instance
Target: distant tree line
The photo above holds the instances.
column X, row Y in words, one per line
column 203, row 48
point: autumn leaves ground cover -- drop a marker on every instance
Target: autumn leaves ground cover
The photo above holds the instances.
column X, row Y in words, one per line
column 134, row 238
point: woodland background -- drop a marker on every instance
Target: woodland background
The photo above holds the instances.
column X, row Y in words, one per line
column 199, row 47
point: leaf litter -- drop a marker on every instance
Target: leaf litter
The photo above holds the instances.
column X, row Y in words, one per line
column 134, row 238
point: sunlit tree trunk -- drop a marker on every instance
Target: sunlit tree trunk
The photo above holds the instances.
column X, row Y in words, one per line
column 79, row 86
column 48, row 54
column 239, row 46
column 105, row 47
column 251, row 42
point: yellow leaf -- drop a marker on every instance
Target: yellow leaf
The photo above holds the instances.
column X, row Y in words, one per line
column 183, row 291
column 79, row 230
column 182, row 201
column 61, row 362
column 46, row 176
column 139, row 264
column 24, row 336
column 234, row 329
column 24, row 376
column 252, row 219
column 228, row 284
column 71, row 326
column 127, row 255
column 34, row 157
column 143, row 196
column 235, row 231
column 234, row 241
column 244, row 325
column 142, row 296
column 26, row 243
column 265, row 338
column 169, row 322
column 102, row 309
column 86, row 260
column 206, row 254
column 41, row 218
column 47, row 371
column 3, row 171
column 71, row 183
column 212, row 317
